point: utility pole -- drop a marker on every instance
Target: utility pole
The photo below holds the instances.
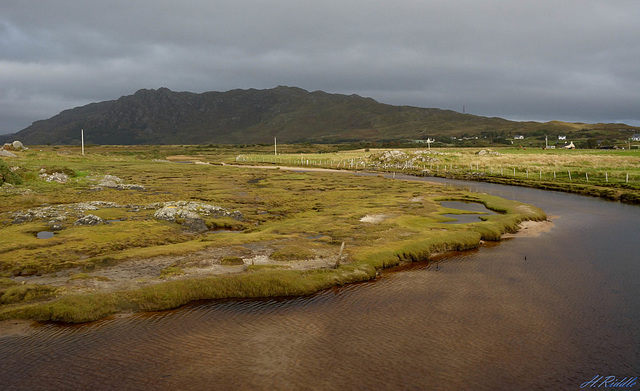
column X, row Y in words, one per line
column 82, row 137
column 546, row 144
column 275, row 146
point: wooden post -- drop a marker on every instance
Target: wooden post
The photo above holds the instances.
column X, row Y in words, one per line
column 606, row 177
column 337, row 265
column 82, row 136
column 569, row 175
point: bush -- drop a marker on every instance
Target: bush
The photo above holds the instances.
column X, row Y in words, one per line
column 8, row 176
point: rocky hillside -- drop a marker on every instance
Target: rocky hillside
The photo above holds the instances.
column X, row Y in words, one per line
column 254, row 116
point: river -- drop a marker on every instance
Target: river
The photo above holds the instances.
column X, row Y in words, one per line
column 528, row 313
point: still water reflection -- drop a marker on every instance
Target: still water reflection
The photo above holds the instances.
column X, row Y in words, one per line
column 481, row 320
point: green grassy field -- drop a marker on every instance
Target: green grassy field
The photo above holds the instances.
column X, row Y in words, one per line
column 286, row 242
column 611, row 174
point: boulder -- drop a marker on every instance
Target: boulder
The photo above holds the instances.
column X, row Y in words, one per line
column 89, row 220
column 55, row 177
column 192, row 220
column 196, row 224
column 110, row 181
column 18, row 146
column 5, row 153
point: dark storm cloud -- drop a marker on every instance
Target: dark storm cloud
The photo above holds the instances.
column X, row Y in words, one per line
column 526, row 60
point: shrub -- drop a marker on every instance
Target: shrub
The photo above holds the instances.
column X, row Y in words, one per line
column 8, row 176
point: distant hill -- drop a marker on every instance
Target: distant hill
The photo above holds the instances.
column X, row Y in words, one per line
column 253, row 116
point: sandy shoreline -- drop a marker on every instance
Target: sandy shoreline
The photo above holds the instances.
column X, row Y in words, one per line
column 531, row 229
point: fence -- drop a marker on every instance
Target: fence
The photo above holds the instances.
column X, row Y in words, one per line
column 547, row 173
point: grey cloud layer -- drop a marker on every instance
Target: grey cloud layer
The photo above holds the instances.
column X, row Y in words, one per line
column 538, row 60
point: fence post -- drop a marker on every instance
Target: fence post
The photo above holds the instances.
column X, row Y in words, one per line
column 569, row 175
column 627, row 177
column 606, row 177
column 586, row 174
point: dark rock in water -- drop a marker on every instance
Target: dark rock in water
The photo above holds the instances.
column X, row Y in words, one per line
column 89, row 220
column 196, row 224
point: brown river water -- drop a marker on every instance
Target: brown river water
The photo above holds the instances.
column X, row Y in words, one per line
column 486, row 319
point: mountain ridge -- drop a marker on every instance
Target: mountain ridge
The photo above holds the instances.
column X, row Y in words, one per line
column 254, row 116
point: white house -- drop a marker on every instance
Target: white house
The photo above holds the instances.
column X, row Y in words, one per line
column 518, row 137
column 569, row 146
column 635, row 137
column 562, row 137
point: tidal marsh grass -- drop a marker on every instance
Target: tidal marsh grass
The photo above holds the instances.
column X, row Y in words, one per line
column 298, row 215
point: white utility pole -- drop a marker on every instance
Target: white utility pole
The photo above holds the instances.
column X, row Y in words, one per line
column 82, row 136
column 275, row 146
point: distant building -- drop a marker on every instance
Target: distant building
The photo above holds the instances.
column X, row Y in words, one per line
column 569, row 145
column 635, row 137
column 518, row 137
column 562, row 137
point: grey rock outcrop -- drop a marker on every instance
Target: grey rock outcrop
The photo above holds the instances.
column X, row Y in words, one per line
column 89, row 220
column 5, row 153
column 18, row 146
column 55, row 177
column 191, row 220
column 113, row 182
column 191, row 213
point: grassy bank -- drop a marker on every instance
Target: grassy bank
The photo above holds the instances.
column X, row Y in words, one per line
column 286, row 242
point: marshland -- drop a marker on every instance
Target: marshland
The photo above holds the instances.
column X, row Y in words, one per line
column 278, row 248
column 235, row 231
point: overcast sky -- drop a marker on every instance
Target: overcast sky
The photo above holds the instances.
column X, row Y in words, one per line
column 572, row 60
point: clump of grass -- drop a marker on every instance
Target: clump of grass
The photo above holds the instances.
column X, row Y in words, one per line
column 171, row 271
column 53, row 169
column 231, row 261
column 5, row 283
column 265, row 267
column 26, row 293
column 292, row 253
column 85, row 276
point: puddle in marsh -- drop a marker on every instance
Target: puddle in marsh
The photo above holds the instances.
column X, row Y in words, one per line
column 466, row 206
column 45, row 235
